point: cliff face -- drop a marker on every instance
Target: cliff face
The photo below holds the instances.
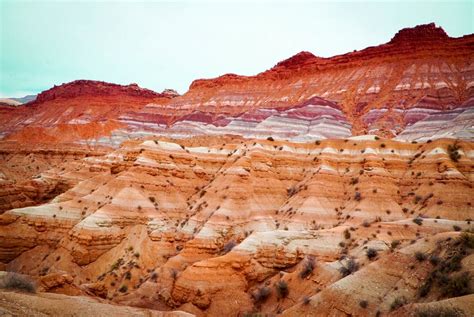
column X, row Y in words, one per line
column 418, row 86
column 381, row 89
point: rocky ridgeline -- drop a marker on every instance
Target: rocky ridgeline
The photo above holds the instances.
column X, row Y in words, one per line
column 418, row 86
column 97, row 88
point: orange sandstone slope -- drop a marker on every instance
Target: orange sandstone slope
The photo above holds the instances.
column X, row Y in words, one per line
column 228, row 226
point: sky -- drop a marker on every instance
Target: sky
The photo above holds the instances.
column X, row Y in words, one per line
column 162, row 45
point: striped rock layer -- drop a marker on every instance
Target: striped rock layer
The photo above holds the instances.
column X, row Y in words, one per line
column 418, row 86
column 188, row 224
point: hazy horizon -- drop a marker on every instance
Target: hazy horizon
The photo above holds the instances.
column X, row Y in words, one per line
column 162, row 45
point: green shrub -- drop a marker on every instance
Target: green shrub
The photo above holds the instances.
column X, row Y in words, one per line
column 418, row 221
column 398, row 302
column 350, row 267
column 420, row 256
column 425, row 288
column 282, row 289
column 123, row 288
column 228, row 246
column 467, row 240
column 395, row 244
column 116, row 264
column 453, row 152
column 261, row 295
column 308, row 268
column 357, row 196
column 434, row 260
column 18, row 282
column 371, row 253
column 347, row 234
column 457, row 285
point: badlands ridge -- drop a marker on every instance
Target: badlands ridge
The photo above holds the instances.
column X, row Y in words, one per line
column 337, row 186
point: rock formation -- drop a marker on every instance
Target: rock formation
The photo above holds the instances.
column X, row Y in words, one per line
column 324, row 186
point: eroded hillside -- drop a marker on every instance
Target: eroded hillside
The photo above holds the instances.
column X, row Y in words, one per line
column 188, row 224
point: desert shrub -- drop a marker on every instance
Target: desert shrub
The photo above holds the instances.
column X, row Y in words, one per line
column 128, row 275
column 357, row 196
column 347, row 234
column 270, row 139
column 456, row 228
column 154, row 276
column 371, row 253
column 152, row 199
column 18, row 282
column 395, row 244
column 123, row 288
column 116, row 264
column 229, row 246
column 420, row 256
column 306, row 300
column 425, row 288
column 418, row 221
column 363, row 304
column 308, row 268
column 398, row 302
column 350, row 267
column 451, row 264
column 434, row 260
column 292, row 191
column 282, row 289
column 174, row 274
column 457, row 285
column 467, row 240
column 438, row 311
column 366, row 224
column 261, row 294
column 453, row 152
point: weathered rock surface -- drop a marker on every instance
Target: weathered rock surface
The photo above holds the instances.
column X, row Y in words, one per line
column 47, row 304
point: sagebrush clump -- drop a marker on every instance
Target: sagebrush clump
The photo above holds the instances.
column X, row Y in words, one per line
column 18, row 282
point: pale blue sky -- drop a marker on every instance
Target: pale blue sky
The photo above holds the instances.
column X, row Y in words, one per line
column 167, row 45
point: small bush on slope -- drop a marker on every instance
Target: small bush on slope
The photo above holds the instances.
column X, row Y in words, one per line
column 261, row 294
column 282, row 289
column 350, row 267
column 308, row 268
column 18, row 282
